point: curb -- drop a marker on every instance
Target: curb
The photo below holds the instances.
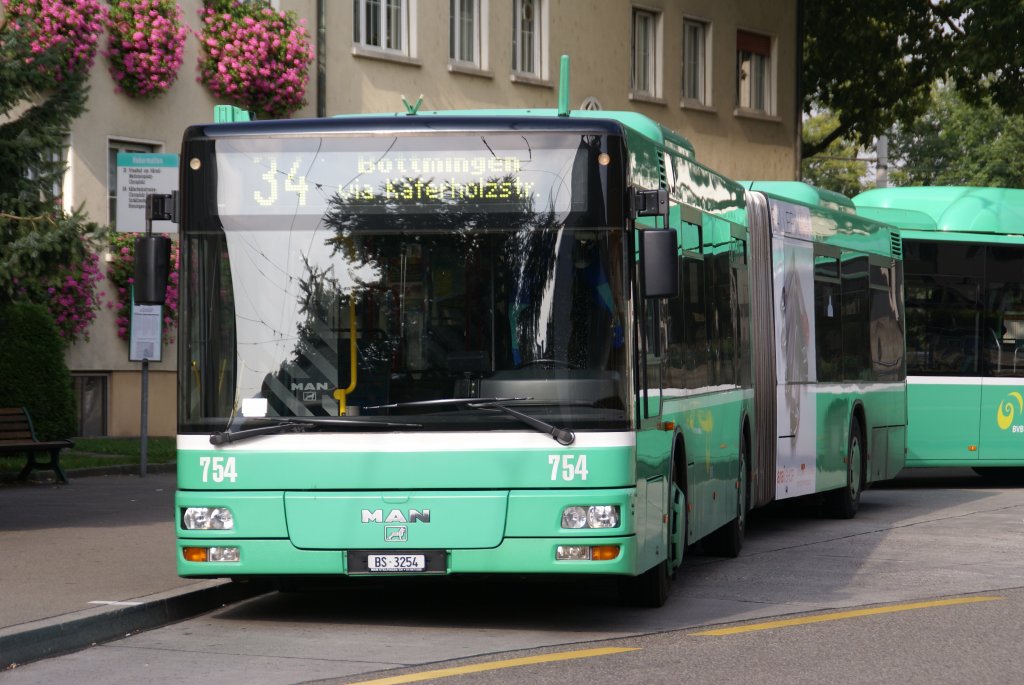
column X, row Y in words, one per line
column 49, row 637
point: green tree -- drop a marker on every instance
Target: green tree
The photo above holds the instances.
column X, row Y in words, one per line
column 871, row 63
column 957, row 143
column 44, row 385
column 874, row 63
column 46, row 50
column 986, row 50
column 836, row 167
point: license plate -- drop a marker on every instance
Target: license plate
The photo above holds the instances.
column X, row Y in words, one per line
column 396, row 563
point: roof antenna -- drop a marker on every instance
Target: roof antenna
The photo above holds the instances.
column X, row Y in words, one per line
column 412, row 109
column 563, row 87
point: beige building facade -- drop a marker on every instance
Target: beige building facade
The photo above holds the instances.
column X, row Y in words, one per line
column 723, row 74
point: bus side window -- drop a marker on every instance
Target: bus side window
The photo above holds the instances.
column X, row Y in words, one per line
column 828, row 318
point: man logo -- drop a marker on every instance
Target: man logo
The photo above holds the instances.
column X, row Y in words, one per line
column 1010, row 407
column 396, row 516
column 396, row 533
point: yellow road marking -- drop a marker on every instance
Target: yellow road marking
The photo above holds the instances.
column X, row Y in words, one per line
column 840, row 615
column 495, row 665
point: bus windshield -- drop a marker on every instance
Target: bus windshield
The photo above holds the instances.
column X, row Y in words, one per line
column 367, row 276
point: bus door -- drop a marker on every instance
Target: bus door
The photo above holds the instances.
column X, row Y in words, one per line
column 944, row 387
column 658, row 262
column 1002, row 390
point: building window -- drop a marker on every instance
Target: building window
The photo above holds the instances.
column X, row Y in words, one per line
column 56, row 167
column 116, row 147
column 465, row 35
column 91, row 405
column 645, row 53
column 382, row 25
column 528, row 37
column 754, row 72
column 696, row 61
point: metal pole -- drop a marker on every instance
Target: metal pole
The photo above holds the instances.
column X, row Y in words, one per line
column 882, row 165
column 143, row 429
column 144, row 405
column 321, row 58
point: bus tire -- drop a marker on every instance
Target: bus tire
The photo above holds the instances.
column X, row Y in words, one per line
column 649, row 589
column 728, row 540
column 844, row 502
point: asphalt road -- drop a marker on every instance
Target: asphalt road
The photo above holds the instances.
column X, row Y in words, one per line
column 938, row 560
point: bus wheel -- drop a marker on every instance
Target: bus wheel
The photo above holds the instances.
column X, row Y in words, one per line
column 649, row 589
column 844, row 502
column 677, row 521
column 727, row 540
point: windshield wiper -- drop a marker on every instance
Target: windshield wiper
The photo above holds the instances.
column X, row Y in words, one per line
column 564, row 437
column 301, row 423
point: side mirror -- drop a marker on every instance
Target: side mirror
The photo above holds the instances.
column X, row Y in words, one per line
column 659, row 263
column 152, row 266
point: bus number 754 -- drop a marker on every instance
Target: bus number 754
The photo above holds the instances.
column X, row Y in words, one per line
column 219, row 468
column 568, row 466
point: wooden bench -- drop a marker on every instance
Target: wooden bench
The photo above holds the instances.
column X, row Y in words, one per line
column 18, row 437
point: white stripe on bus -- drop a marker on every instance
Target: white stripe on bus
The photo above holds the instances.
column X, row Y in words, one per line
column 419, row 441
column 964, row 380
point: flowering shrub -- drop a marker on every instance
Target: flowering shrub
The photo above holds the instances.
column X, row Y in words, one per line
column 254, row 56
column 121, row 273
column 145, row 45
column 59, row 37
column 74, row 297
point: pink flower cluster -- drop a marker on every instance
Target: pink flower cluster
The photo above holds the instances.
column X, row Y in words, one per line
column 74, row 297
column 69, row 29
column 145, row 45
column 255, row 57
column 121, row 273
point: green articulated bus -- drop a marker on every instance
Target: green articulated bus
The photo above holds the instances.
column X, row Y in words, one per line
column 964, row 260
column 514, row 342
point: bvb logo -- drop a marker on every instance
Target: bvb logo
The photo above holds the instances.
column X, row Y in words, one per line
column 1008, row 408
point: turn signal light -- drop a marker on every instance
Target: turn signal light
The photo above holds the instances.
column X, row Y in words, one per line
column 604, row 552
column 195, row 553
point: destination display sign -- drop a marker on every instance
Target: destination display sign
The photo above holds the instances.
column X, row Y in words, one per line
column 289, row 182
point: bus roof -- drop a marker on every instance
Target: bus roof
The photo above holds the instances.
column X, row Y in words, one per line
column 804, row 194
column 832, row 217
column 638, row 123
column 947, row 208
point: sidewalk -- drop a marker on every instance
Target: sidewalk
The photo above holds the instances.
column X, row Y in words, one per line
column 92, row 560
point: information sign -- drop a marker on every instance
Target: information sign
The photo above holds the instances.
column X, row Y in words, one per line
column 138, row 175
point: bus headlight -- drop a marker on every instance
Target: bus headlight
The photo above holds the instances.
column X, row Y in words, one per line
column 598, row 516
column 604, row 516
column 207, row 518
column 224, row 554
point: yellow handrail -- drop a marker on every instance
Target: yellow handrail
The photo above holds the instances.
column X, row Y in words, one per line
column 340, row 394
